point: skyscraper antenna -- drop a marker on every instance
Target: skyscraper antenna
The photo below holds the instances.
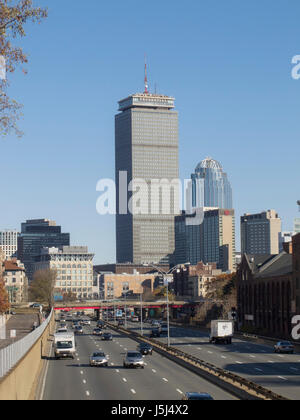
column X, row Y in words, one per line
column 146, row 77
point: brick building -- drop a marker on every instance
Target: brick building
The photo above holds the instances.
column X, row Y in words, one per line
column 192, row 280
column 266, row 293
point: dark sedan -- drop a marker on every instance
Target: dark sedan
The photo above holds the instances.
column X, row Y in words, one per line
column 145, row 348
column 107, row 337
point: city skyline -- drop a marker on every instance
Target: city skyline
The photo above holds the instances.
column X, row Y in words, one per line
column 236, row 111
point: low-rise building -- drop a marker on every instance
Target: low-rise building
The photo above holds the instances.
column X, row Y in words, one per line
column 266, row 298
column 193, row 280
column 15, row 280
column 114, row 286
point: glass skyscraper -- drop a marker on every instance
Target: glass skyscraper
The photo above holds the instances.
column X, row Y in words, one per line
column 210, row 186
column 35, row 235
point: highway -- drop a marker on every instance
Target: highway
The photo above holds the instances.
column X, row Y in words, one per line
column 258, row 363
column 161, row 379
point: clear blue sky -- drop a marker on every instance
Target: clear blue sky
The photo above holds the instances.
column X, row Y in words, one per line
column 228, row 63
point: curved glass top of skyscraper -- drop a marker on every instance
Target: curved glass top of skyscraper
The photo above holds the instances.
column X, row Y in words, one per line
column 211, row 187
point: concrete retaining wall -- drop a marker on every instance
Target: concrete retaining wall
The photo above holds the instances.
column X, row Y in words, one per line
column 21, row 382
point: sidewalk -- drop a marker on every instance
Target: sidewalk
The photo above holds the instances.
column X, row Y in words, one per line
column 22, row 324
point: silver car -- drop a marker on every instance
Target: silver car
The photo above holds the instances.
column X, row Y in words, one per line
column 99, row 359
column 284, row 347
column 134, row 359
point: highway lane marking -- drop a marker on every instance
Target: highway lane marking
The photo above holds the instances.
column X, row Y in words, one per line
column 253, row 357
column 164, row 379
column 258, row 370
column 281, row 377
column 295, row 369
column 81, row 372
column 239, row 363
column 270, row 361
column 124, row 379
column 153, row 370
column 87, row 393
column 210, row 352
column 117, row 370
column 133, row 391
column 180, row 392
column 84, row 381
column 223, row 357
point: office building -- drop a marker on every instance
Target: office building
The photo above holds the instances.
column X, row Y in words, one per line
column 260, row 233
column 212, row 241
column 74, row 267
column 210, row 186
column 35, row 235
column 297, row 225
column 9, row 243
column 146, row 148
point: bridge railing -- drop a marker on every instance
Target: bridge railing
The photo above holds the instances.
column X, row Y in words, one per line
column 11, row 355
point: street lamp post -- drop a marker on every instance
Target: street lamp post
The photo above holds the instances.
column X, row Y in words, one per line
column 142, row 330
column 165, row 274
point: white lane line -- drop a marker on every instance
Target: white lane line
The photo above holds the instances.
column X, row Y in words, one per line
column 81, row 372
column 166, row 380
column 84, row 381
column 281, row 377
column 133, row 391
column 112, row 364
column 270, row 361
column 199, row 348
column 210, row 352
column 87, row 393
column 223, row 357
column 180, row 392
column 239, row 363
column 253, row 357
column 124, row 379
column 153, row 370
column 294, row 369
column 258, row 370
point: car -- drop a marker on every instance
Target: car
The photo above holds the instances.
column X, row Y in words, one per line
column 121, row 323
column 133, row 359
column 164, row 329
column 155, row 324
column 62, row 330
column 99, row 359
column 107, row 337
column 78, row 329
column 35, row 305
column 101, row 324
column 155, row 332
column 145, row 348
column 97, row 331
column 134, row 319
column 86, row 322
column 197, row 396
column 284, row 347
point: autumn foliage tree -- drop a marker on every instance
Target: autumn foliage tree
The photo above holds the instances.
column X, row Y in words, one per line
column 14, row 15
column 4, row 300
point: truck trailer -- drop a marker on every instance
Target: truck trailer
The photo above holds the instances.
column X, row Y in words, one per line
column 221, row 331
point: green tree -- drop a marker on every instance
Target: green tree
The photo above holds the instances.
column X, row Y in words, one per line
column 14, row 15
column 42, row 287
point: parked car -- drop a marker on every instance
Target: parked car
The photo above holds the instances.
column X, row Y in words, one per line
column 284, row 347
column 99, row 359
column 145, row 348
column 197, row 396
column 121, row 323
column 133, row 359
column 86, row 322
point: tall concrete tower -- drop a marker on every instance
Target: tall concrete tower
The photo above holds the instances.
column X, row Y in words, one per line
column 146, row 147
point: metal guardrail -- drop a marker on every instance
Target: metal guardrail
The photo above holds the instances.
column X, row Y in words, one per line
column 239, row 382
column 11, row 355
